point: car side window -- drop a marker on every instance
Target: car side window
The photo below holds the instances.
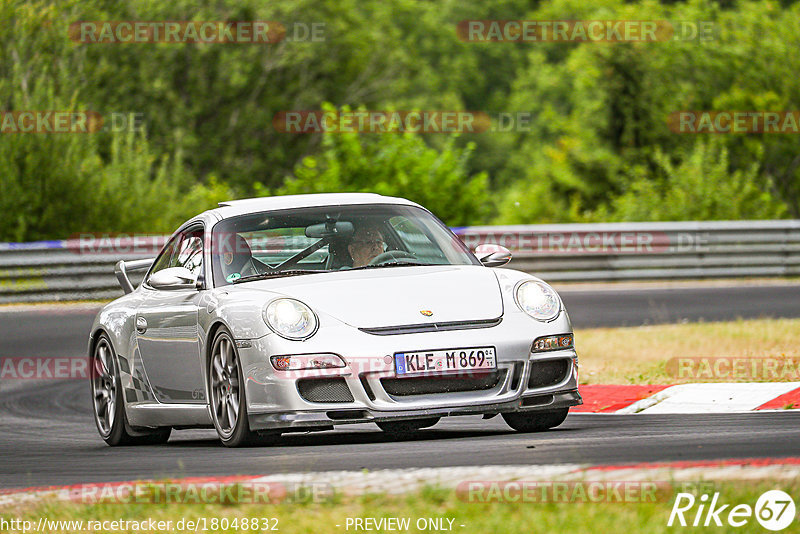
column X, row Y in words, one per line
column 184, row 250
column 164, row 259
column 190, row 252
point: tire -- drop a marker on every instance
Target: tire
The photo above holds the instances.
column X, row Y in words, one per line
column 227, row 394
column 108, row 404
column 535, row 421
column 408, row 426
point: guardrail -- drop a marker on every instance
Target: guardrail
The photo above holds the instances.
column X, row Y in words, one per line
column 648, row 251
column 72, row 269
column 80, row 270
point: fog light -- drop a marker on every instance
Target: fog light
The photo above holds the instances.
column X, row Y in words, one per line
column 306, row 361
column 559, row 342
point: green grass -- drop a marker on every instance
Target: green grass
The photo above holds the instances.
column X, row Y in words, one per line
column 639, row 355
column 309, row 517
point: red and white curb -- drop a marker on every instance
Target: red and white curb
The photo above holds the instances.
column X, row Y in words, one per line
column 689, row 398
column 399, row 481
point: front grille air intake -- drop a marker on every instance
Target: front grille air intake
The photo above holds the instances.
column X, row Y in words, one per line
column 424, row 385
column 328, row 390
column 546, row 373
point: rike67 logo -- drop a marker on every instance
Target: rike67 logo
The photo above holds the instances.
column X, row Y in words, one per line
column 774, row 510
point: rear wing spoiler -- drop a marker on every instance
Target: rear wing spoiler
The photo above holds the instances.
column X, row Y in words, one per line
column 122, row 268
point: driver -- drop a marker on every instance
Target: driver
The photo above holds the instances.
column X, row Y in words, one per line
column 237, row 259
column 366, row 245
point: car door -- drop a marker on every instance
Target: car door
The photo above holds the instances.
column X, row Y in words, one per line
column 167, row 326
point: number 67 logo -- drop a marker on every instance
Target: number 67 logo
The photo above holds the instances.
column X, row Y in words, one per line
column 775, row 510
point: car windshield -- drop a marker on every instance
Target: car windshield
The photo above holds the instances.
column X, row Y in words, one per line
column 332, row 238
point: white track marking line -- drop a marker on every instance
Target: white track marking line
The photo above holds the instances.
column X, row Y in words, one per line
column 711, row 398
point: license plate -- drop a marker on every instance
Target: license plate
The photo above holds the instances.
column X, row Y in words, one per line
column 440, row 361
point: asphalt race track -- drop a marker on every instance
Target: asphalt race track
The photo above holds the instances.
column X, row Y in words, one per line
column 634, row 307
column 47, row 435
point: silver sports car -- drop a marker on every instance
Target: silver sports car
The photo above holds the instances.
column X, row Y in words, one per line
column 299, row 313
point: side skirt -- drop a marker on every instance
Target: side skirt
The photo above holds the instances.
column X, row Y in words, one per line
column 176, row 415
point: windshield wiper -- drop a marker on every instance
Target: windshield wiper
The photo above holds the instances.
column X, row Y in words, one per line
column 276, row 274
column 394, row 264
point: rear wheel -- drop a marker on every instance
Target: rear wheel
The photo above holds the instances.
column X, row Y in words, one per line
column 535, row 421
column 407, row 427
column 108, row 402
column 227, row 394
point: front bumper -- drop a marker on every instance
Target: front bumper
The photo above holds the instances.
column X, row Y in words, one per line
column 329, row 418
column 274, row 401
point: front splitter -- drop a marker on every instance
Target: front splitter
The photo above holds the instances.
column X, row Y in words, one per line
column 329, row 418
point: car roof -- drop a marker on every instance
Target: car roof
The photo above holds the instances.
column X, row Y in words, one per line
column 233, row 208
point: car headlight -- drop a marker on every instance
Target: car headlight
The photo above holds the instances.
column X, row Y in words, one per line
column 290, row 318
column 538, row 300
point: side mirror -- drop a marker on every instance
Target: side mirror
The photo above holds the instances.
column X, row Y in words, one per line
column 492, row 255
column 173, row 278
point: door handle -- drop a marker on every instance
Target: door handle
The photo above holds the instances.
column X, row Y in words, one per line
column 141, row 325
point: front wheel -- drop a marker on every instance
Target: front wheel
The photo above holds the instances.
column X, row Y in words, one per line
column 227, row 393
column 108, row 403
column 535, row 421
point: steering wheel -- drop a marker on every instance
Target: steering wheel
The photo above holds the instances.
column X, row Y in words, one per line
column 391, row 255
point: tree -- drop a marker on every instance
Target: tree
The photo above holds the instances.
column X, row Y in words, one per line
column 396, row 164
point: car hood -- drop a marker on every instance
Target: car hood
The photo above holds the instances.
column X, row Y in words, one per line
column 396, row 296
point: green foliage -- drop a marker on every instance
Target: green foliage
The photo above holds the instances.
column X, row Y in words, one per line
column 698, row 187
column 598, row 147
column 59, row 185
column 396, row 164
